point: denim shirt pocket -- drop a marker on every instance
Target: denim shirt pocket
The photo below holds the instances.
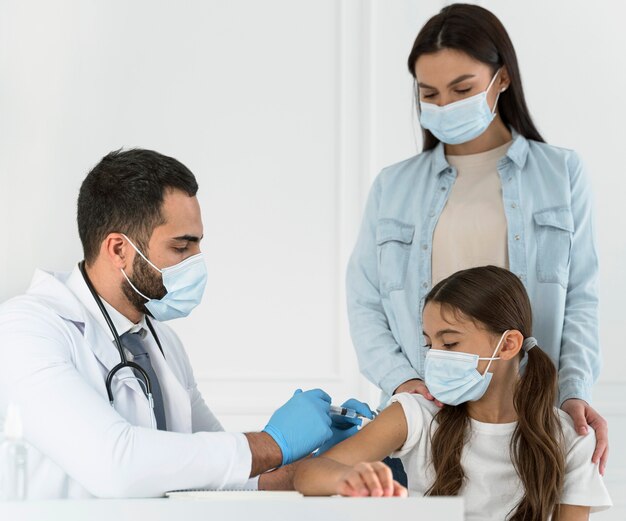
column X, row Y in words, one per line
column 554, row 228
column 393, row 240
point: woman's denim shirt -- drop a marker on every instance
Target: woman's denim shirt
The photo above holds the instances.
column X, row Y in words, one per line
column 551, row 244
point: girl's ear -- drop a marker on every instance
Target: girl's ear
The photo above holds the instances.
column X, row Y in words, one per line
column 511, row 345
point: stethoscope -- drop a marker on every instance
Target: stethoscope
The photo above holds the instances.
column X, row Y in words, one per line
column 124, row 362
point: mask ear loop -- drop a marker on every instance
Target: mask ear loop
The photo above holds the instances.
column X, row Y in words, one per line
column 144, row 258
column 415, row 118
column 139, row 252
column 133, row 286
column 493, row 356
column 493, row 111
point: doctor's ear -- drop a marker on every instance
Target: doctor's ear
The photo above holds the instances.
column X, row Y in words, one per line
column 511, row 345
column 116, row 249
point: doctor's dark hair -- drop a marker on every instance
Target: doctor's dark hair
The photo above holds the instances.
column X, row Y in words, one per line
column 124, row 193
column 477, row 32
column 496, row 300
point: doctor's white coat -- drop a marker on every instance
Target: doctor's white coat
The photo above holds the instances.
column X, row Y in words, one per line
column 54, row 358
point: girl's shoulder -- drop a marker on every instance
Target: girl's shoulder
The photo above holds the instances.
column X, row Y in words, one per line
column 419, row 413
column 582, row 482
column 573, row 442
column 415, row 405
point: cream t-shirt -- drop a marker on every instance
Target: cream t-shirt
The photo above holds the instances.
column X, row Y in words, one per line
column 492, row 488
column 472, row 229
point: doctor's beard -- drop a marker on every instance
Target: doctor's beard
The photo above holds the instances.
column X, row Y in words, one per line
column 147, row 280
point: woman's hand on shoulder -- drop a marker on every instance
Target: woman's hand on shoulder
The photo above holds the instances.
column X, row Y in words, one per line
column 585, row 416
column 370, row 479
column 417, row 387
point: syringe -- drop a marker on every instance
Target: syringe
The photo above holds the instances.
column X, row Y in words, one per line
column 348, row 413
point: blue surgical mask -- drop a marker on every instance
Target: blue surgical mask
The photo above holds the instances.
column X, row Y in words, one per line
column 453, row 378
column 184, row 283
column 461, row 121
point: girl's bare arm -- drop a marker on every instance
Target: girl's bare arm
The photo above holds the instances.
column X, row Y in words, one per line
column 337, row 471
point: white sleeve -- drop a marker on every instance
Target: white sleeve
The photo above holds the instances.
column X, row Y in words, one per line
column 202, row 418
column 73, row 424
column 414, row 414
column 583, row 484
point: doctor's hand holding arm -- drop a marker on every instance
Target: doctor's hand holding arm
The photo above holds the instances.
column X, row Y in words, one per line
column 299, row 427
column 293, row 432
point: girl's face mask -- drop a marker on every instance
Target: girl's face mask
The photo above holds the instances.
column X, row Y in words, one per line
column 453, row 378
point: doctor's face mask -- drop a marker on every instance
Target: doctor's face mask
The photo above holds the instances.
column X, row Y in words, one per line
column 177, row 291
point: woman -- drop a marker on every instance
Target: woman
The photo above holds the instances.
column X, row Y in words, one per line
column 499, row 441
column 486, row 189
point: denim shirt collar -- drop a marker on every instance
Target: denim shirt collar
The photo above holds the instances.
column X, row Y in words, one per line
column 517, row 152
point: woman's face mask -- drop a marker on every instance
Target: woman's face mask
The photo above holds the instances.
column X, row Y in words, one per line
column 460, row 121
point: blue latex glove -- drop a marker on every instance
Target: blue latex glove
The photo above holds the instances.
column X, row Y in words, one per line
column 343, row 427
column 301, row 425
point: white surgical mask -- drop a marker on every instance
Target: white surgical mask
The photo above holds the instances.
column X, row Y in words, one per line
column 460, row 121
column 453, row 378
column 184, row 282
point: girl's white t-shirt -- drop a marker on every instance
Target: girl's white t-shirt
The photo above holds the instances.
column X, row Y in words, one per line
column 492, row 488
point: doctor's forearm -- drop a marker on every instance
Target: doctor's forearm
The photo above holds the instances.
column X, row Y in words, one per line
column 279, row 479
column 266, row 454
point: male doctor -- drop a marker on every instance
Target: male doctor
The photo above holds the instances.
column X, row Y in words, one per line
column 140, row 225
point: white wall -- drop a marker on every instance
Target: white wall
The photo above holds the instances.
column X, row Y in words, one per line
column 257, row 98
column 285, row 110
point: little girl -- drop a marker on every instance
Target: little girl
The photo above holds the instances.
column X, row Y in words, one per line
column 499, row 441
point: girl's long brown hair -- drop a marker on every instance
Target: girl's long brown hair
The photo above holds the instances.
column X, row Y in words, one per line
column 495, row 298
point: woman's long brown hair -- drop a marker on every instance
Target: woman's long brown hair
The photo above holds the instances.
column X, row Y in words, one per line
column 476, row 31
column 496, row 299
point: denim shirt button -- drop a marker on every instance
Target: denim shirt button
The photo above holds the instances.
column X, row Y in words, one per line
column 424, row 247
column 443, row 188
column 513, row 205
column 517, row 237
column 424, row 285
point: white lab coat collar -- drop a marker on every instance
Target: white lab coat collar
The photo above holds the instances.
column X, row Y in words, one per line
column 68, row 295
column 178, row 416
column 77, row 285
column 108, row 355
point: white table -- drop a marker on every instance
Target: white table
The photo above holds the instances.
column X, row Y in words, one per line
column 300, row 509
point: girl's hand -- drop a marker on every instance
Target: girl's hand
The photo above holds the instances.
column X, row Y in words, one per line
column 417, row 387
column 370, row 479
